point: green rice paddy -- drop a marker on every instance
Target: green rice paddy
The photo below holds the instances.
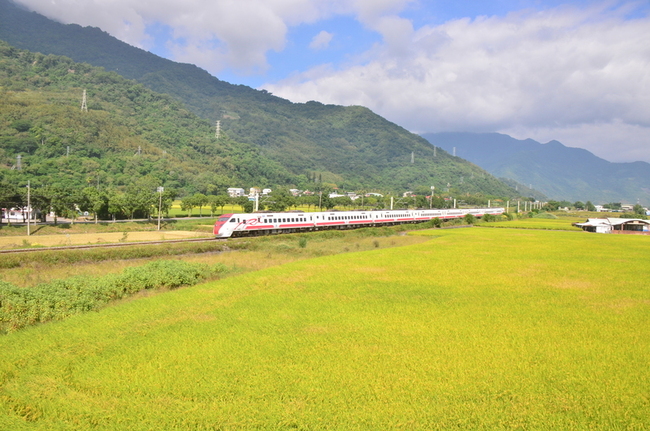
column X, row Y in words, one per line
column 474, row 329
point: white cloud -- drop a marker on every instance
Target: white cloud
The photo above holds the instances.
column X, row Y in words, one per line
column 213, row 34
column 321, row 40
column 576, row 72
column 579, row 75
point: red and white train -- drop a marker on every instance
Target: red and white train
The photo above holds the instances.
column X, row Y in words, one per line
column 230, row 225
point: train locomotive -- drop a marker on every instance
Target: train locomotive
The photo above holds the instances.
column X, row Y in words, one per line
column 233, row 225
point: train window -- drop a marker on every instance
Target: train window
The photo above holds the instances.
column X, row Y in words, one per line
column 232, row 220
column 223, row 218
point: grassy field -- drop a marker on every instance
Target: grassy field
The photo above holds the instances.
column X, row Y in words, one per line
column 9, row 242
column 561, row 223
column 473, row 329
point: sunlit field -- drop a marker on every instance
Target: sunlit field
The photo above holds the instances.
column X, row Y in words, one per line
column 473, row 329
column 561, row 223
column 9, row 242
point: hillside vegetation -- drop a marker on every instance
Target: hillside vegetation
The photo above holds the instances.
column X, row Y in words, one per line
column 349, row 147
column 128, row 132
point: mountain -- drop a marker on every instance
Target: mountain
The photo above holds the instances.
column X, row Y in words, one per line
column 126, row 133
column 560, row 172
column 350, row 147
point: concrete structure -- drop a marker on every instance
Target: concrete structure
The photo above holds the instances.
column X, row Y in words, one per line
column 616, row 225
column 235, row 192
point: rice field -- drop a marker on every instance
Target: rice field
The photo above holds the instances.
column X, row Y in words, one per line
column 473, row 329
column 561, row 223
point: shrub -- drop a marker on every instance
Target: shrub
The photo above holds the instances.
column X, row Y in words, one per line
column 62, row 298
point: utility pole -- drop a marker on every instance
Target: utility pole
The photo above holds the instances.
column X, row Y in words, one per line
column 84, row 106
column 19, row 164
column 29, row 206
column 160, row 193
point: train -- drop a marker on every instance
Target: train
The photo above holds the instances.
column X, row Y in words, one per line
column 267, row 223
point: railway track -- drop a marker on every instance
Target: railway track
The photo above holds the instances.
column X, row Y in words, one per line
column 110, row 245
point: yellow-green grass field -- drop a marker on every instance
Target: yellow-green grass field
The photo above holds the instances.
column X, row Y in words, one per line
column 473, row 329
column 561, row 223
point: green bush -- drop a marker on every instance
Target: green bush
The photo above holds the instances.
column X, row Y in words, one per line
column 20, row 307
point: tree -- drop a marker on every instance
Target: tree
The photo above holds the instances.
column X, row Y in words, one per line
column 63, row 202
column 168, row 197
column 218, row 201
column 142, row 197
column 200, row 200
column 187, row 204
column 421, row 201
column 308, row 200
column 551, row 206
column 579, row 205
column 96, row 200
column 241, row 201
column 281, row 199
column 8, row 197
column 638, row 209
column 249, row 206
column 589, row 206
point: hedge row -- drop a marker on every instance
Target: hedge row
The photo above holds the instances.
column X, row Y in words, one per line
column 20, row 307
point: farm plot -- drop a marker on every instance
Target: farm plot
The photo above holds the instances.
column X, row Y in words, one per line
column 474, row 329
column 9, row 242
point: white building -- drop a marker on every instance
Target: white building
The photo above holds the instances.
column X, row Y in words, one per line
column 615, row 225
column 18, row 215
column 235, row 192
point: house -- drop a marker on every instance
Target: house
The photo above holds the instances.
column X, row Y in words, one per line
column 235, row 192
column 616, row 225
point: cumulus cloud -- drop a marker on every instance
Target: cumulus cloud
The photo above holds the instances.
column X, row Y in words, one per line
column 565, row 71
column 214, row 34
column 576, row 74
column 321, row 40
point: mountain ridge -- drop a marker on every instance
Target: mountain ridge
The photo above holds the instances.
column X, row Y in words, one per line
column 350, row 147
column 560, row 172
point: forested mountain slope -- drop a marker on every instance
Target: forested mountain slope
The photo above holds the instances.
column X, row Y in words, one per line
column 350, row 147
column 128, row 132
column 558, row 171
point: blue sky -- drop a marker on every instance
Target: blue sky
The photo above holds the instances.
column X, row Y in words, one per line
column 575, row 71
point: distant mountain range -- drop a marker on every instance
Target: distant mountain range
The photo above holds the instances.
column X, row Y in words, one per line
column 560, row 172
column 349, row 147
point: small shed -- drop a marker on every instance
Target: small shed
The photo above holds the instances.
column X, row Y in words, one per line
column 615, row 225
